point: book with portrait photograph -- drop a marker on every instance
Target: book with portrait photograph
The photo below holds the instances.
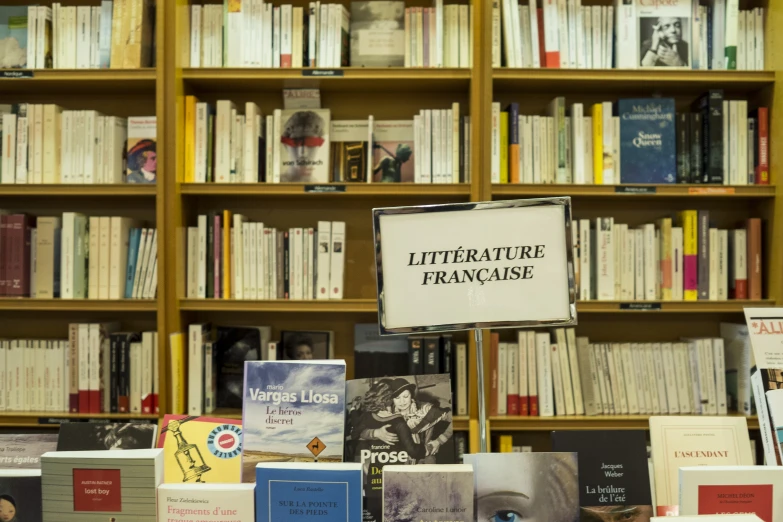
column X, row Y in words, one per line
column 392, row 154
column 614, row 480
column 664, row 31
column 92, row 436
column 302, row 345
column 235, row 345
column 396, row 420
column 25, row 450
column 142, row 154
column 20, row 495
column 293, row 411
column 304, row 145
column 530, row 486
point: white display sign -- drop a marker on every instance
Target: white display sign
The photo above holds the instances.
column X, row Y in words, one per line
column 475, row 265
column 765, row 328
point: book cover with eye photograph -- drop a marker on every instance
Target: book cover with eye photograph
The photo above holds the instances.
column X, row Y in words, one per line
column 525, row 486
column 304, row 145
column 428, row 493
column 614, row 481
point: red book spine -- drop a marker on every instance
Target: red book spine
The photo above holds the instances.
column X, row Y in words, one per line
column 512, row 405
column 523, row 405
column 493, row 368
column 155, row 406
column 541, row 48
column 762, row 169
column 534, row 405
column 18, row 245
column 84, row 401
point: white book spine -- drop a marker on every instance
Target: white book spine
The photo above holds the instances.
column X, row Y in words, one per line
column 768, row 440
column 546, row 404
column 195, row 36
column 202, row 257
column 589, row 374
column 557, row 380
column 502, row 378
column 462, row 379
column 640, row 369
column 622, row 387
column 195, row 370
column 576, row 378
column 192, row 263
column 660, row 377
column 337, row 262
column 672, row 401
column 719, row 358
column 629, row 372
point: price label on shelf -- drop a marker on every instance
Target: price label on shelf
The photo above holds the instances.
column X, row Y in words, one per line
column 16, row 74
column 640, row 306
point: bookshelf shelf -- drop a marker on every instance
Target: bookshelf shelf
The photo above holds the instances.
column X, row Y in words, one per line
column 598, row 422
column 608, row 80
column 60, row 190
column 78, row 305
column 280, row 305
column 635, row 191
column 341, row 190
column 697, row 307
column 347, row 79
column 82, row 81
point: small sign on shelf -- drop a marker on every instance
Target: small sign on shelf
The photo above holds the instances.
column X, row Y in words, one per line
column 324, row 188
column 625, row 189
column 327, row 73
column 16, row 74
column 640, row 306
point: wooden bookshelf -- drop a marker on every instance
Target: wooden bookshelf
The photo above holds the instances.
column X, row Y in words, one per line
column 598, row 422
column 332, row 190
column 73, row 191
column 635, row 192
column 78, row 305
column 81, row 81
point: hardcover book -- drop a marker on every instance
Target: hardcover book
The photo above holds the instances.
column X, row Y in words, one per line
column 299, row 345
column 664, row 32
column 697, row 441
column 206, row 502
column 428, row 493
column 87, row 486
column 647, row 140
column 414, row 410
column 142, row 166
column 235, row 345
column 535, row 486
column 349, row 150
column 201, row 449
column 91, row 436
column 304, row 146
column 378, row 34
column 24, row 451
column 13, row 37
column 392, row 149
column 376, row 356
column 613, row 477
column 293, row 411
column 722, row 490
column 20, row 495
column 302, row 491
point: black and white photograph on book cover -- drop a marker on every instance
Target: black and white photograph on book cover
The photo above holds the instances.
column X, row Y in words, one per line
column 664, row 41
column 93, row 436
column 302, row 346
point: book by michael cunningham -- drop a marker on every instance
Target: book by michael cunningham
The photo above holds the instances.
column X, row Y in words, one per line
column 428, row 493
column 647, row 140
column 614, row 479
column 293, row 411
column 516, row 486
column 305, row 491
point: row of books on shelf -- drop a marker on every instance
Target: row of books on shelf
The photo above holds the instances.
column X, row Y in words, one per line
column 305, row 145
column 370, row 34
column 117, row 34
column 77, row 257
column 98, row 369
column 660, row 262
column 640, row 140
column 230, row 257
column 42, row 143
column 628, row 35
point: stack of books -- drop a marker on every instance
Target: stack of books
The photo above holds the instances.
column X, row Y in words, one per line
column 44, row 144
column 96, row 370
column 640, row 140
column 660, row 262
column 264, row 262
column 545, row 374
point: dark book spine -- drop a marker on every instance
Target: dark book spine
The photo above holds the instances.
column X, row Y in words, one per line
column 3, row 252
column 18, row 269
column 753, row 150
column 114, row 351
column 432, row 354
column 703, row 270
column 261, row 158
column 683, row 148
column 280, row 257
column 415, row 358
column 713, row 169
column 286, row 265
column 447, row 363
column 211, row 255
column 123, row 389
column 697, row 134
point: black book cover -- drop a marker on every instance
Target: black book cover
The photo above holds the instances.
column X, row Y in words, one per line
column 234, row 346
column 286, row 266
column 711, row 107
column 753, row 150
column 415, row 409
column 92, row 436
column 614, row 481
column 432, row 354
column 696, row 145
column 703, row 270
column 415, row 355
column 123, row 368
column 20, row 495
column 447, row 362
column 683, row 148
column 376, row 356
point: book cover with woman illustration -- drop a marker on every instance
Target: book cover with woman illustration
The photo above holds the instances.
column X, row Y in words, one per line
column 396, row 420
column 20, row 495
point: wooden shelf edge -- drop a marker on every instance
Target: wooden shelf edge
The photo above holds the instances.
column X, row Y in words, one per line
column 598, row 422
column 83, row 75
column 665, row 191
column 350, row 189
column 229, row 74
column 625, row 75
column 67, row 415
column 79, row 305
column 63, row 190
column 736, row 305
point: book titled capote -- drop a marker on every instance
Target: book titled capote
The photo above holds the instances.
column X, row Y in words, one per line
column 647, row 140
column 693, row 441
column 664, row 33
column 303, row 491
column 720, row 490
column 428, row 493
column 206, row 502
column 293, row 411
column 614, row 479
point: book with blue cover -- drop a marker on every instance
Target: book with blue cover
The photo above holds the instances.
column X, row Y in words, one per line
column 307, row 491
column 13, row 37
column 293, row 411
column 647, row 140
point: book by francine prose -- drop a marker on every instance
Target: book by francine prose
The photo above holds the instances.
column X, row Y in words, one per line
column 206, row 502
column 293, row 411
column 693, row 441
column 717, row 490
column 647, row 140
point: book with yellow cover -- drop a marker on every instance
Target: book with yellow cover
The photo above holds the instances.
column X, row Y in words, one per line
column 504, row 147
column 177, row 372
column 690, row 251
column 201, row 449
column 190, row 139
column 226, row 254
column 598, row 144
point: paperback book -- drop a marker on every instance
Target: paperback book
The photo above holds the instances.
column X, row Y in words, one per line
column 92, row 436
column 201, row 449
column 349, row 149
column 664, row 31
column 378, row 34
column 234, row 346
column 647, row 140
column 392, row 150
column 13, row 37
column 24, row 451
column 304, row 146
column 428, row 493
column 293, row 411
column 206, row 502
column 20, row 495
column 142, row 150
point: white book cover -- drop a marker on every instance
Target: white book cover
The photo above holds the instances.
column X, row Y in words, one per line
column 629, row 374
column 731, row 489
column 236, row 499
column 719, row 358
column 738, row 361
column 545, row 390
column 770, row 437
column 664, row 34
column 679, row 442
column 502, row 379
column 672, row 400
column 626, row 48
column 557, row 380
column 565, row 371
column 337, row 260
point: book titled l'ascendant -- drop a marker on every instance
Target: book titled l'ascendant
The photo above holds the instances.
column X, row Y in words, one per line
column 293, row 411
column 305, row 491
column 428, row 493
